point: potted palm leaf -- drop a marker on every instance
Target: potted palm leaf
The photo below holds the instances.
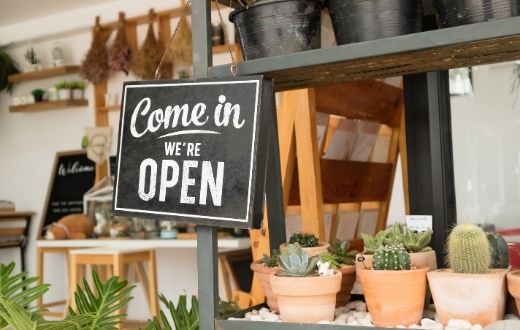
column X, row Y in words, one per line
column 469, row 290
column 394, row 290
column 275, row 27
column 303, row 295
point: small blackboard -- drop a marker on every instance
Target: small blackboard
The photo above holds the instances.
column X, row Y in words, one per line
column 193, row 151
column 73, row 174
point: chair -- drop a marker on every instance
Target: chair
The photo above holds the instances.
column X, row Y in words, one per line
column 14, row 231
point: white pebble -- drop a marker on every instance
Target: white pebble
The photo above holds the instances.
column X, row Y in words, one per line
column 358, row 306
column 477, row 327
column 429, row 314
column 510, row 317
column 351, row 320
column 435, row 326
column 341, row 321
column 264, row 311
column 248, row 316
column 401, row 326
column 365, row 322
column 256, row 318
column 415, row 326
column 271, row 318
column 324, row 322
column 459, row 324
column 359, row 315
column 451, row 328
column 427, row 322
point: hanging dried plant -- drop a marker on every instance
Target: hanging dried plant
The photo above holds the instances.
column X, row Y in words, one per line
column 119, row 53
column 145, row 61
column 181, row 49
column 94, row 67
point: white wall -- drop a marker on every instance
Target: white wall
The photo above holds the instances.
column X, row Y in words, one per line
column 486, row 148
column 29, row 141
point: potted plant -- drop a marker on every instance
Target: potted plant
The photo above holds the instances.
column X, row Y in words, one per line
column 308, row 242
column 303, row 295
column 469, row 289
column 78, row 90
column 394, row 290
column 343, row 260
column 362, row 20
column 7, row 68
column 275, row 27
column 33, row 62
column 513, row 283
column 64, row 91
column 459, row 12
column 38, row 94
column 417, row 244
column 263, row 269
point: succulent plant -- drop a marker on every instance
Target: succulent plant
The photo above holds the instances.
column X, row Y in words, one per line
column 417, row 242
column 391, row 257
column 304, row 240
column 398, row 234
column 339, row 250
column 272, row 260
column 468, row 250
column 499, row 251
column 331, row 259
column 296, row 263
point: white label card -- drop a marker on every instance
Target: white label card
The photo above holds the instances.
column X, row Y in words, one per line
column 419, row 223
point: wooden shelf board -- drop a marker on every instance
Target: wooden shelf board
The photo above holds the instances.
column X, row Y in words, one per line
column 45, row 73
column 48, row 105
column 462, row 46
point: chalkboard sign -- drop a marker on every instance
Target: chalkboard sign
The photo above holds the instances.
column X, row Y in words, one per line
column 193, row 151
column 73, row 174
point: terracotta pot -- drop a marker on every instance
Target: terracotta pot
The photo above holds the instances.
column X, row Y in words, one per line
column 394, row 297
column 513, row 283
column 477, row 298
column 347, row 282
column 263, row 274
column 306, row 299
column 311, row 251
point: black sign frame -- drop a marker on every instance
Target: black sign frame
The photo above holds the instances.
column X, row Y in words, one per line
column 59, row 158
column 257, row 168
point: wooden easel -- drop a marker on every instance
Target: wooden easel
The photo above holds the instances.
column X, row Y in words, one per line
column 340, row 185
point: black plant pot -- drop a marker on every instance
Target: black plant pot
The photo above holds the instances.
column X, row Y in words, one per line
column 459, row 12
column 276, row 27
column 363, row 20
column 38, row 98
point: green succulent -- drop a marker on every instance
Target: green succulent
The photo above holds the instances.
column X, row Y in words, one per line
column 296, row 263
column 331, row 259
column 391, row 257
column 62, row 85
column 304, row 240
column 398, row 234
column 272, row 260
column 339, row 250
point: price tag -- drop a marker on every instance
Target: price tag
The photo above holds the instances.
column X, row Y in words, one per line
column 419, row 223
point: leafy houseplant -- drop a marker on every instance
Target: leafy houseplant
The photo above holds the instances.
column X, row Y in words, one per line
column 469, row 290
column 38, row 94
column 263, row 268
column 7, row 68
column 33, row 62
column 78, row 90
column 64, row 91
column 275, row 27
column 345, row 259
column 96, row 307
column 308, row 242
column 297, row 286
column 393, row 277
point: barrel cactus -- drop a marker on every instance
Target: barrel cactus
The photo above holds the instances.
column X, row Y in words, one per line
column 391, row 257
column 499, row 251
column 468, row 250
column 296, row 263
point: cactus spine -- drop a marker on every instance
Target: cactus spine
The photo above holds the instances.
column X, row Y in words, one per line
column 468, row 250
column 391, row 257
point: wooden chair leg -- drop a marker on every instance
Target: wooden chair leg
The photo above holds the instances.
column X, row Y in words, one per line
column 39, row 271
column 152, row 277
column 74, row 280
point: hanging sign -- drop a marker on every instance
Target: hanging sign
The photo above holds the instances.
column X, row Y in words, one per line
column 193, row 150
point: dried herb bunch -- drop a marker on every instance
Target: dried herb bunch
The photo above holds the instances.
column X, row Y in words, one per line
column 94, row 67
column 145, row 61
column 181, row 49
column 119, row 53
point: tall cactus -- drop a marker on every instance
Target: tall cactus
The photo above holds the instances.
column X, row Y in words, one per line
column 468, row 250
column 391, row 257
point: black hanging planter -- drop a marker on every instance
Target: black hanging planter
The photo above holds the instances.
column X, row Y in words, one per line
column 363, row 20
column 275, row 27
column 459, row 12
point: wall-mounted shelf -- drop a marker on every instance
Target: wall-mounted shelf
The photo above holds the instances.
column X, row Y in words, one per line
column 45, row 73
column 48, row 105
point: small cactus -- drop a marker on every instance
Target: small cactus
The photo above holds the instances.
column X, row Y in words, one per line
column 391, row 257
column 468, row 250
column 296, row 263
column 396, row 235
column 499, row 251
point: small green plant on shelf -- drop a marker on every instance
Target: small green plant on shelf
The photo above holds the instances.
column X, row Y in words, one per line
column 392, row 257
column 296, row 263
column 398, row 234
column 304, row 240
column 468, row 250
column 272, row 260
column 77, row 85
column 30, row 56
column 327, row 257
column 38, row 94
column 339, row 250
column 62, row 85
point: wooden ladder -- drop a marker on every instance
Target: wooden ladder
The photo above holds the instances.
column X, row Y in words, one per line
column 316, row 184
